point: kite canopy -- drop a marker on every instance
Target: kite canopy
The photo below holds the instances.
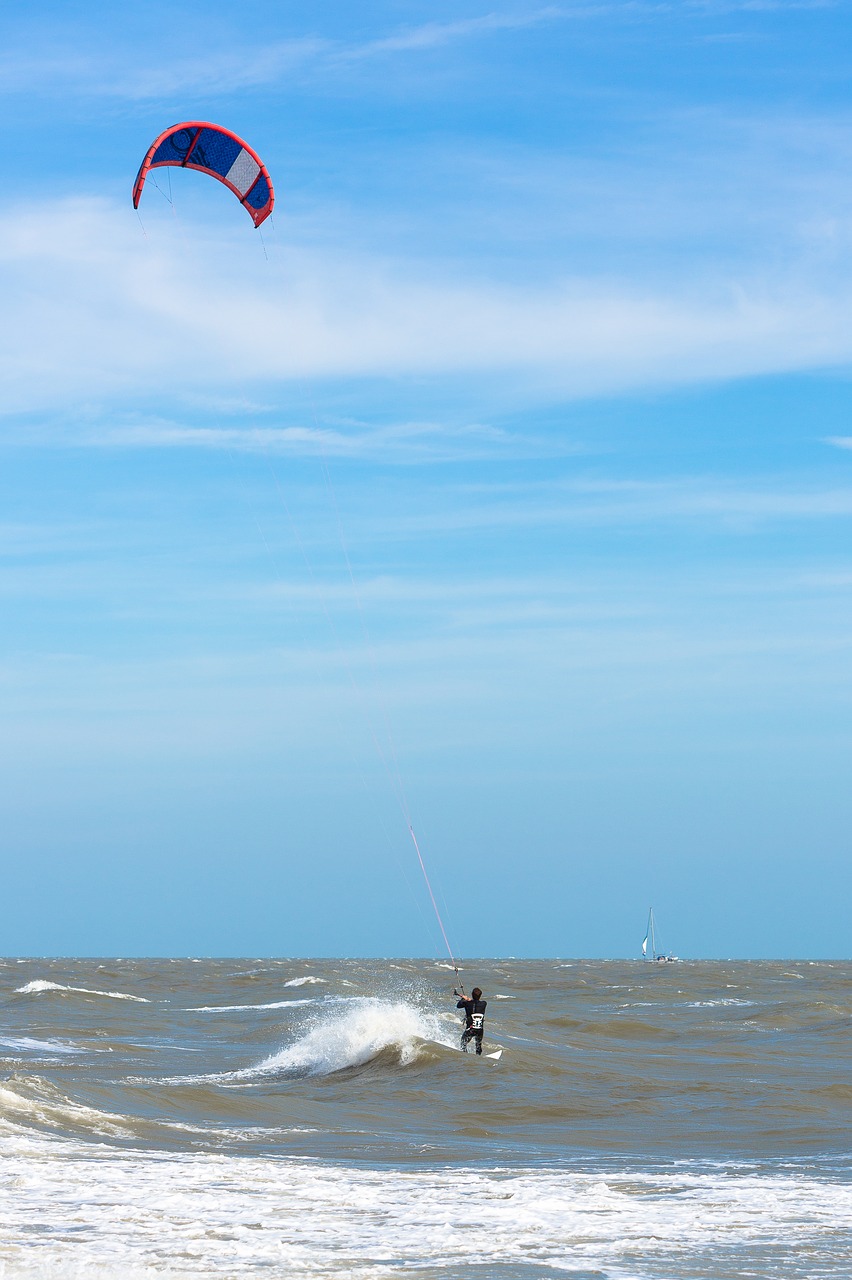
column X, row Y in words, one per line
column 196, row 144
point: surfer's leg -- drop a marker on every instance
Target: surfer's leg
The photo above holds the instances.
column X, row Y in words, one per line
column 477, row 1035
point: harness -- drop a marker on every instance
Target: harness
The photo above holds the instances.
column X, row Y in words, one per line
column 475, row 1017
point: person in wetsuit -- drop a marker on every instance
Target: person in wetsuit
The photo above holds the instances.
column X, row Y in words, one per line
column 474, row 1019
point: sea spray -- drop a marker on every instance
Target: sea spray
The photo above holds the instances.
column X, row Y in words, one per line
column 351, row 1037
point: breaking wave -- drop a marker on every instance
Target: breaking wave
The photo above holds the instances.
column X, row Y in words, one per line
column 28, row 1044
column 31, row 1101
column 240, row 1008
column 41, row 984
column 716, row 1004
column 364, row 1032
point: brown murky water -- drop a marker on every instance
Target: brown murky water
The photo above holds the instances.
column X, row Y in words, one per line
column 201, row 1118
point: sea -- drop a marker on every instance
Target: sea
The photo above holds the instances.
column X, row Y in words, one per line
column 316, row 1118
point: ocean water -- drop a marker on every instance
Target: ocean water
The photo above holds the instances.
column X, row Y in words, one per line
column 315, row 1118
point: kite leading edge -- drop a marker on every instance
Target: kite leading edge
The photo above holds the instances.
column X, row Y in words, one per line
column 197, row 144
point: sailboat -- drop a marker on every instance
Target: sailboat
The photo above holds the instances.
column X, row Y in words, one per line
column 651, row 937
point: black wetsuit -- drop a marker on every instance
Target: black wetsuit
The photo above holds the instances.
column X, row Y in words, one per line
column 474, row 1017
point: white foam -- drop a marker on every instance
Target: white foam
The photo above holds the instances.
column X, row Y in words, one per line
column 303, row 982
column 713, row 1004
column 337, row 1040
column 238, row 1008
column 357, row 1035
column 47, row 1106
column 30, row 1045
column 139, row 1214
column 40, row 984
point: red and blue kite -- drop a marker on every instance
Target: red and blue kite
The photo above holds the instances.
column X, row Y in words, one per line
column 196, row 144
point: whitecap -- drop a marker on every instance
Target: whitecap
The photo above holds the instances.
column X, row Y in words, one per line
column 713, row 1004
column 239, row 1008
column 342, row 1039
column 49, row 1107
column 356, row 1036
column 31, row 1045
column 40, row 984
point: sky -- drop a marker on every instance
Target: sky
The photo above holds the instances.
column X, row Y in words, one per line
column 501, row 483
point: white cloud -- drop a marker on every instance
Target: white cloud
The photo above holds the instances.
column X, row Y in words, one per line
column 93, row 310
column 114, row 76
column 430, row 35
column 404, row 443
column 730, row 507
column 118, row 72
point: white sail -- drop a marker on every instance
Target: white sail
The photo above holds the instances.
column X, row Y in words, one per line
column 650, row 935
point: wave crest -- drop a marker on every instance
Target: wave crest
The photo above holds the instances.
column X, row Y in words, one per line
column 41, row 984
column 371, row 1030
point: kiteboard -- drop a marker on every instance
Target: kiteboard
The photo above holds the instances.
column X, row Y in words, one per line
column 496, row 1055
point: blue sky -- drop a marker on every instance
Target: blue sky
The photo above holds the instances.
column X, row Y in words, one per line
column 550, row 342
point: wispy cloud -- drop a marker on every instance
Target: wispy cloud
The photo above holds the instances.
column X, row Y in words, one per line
column 92, row 309
column 118, row 74
column 731, row 507
column 431, row 35
column 404, row 443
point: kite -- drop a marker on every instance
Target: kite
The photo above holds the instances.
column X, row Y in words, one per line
column 210, row 149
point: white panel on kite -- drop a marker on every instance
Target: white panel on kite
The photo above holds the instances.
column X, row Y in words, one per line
column 243, row 172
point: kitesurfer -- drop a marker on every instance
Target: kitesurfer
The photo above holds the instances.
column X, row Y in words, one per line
column 474, row 1018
